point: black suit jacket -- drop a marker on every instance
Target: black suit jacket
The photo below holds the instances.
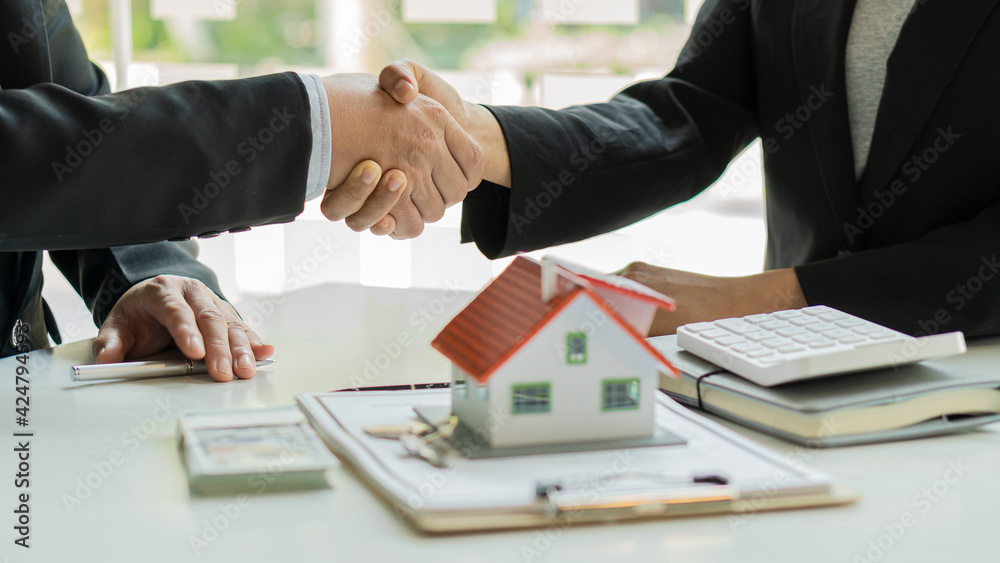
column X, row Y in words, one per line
column 83, row 173
column 913, row 245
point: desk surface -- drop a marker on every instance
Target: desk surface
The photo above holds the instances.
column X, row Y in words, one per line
column 106, row 480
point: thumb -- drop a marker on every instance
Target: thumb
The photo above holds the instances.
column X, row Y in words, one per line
column 401, row 80
column 110, row 346
column 405, row 79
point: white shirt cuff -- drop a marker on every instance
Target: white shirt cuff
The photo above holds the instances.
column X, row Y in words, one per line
column 322, row 146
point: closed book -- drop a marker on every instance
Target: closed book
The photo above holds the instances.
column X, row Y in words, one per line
column 912, row 401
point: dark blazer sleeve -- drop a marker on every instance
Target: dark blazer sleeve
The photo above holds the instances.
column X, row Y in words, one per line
column 102, row 275
column 148, row 164
column 587, row 170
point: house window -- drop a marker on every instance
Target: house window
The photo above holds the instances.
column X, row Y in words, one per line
column 620, row 394
column 460, row 385
column 576, row 348
column 531, row 398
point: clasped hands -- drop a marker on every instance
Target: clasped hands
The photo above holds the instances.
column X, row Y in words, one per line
column 405, row 147
column 434, row 147
column 407, row 86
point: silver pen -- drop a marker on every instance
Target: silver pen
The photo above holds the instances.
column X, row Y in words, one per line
column 143, row 370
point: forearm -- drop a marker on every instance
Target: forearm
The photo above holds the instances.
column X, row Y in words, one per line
column 151, row 164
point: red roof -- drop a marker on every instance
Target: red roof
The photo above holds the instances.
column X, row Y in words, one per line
column 506, row 315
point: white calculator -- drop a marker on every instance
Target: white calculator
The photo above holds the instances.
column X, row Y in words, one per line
column 775, row 348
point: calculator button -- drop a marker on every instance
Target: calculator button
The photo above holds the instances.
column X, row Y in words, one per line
column 818, row 310
column 791, row 331
column 699, row 327
column 730, row 340
column 882, row 335
column 821, row 344
column 867, row 329
column 758, row 336
column 850, row 339
column 757, row 319
column 807, row 338
column 791, row 348
column 776, row 342
column 786, row 315
column 760, row 353
column 774, row 325
column 822, row 327
column 834, row 316
column 838, row 333
column 803, row 321
column 849, row 322
column 746, row 347
column 715, row 333
column 737, row 326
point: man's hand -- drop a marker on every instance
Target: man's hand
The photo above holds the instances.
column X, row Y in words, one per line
column 171, row 308
column 405, row 80
column 409, row 82
column 365, row 198
column 440, row 161
column 708, row 298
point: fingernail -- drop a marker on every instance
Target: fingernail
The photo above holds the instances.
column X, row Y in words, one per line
column 368, row 176
column 224, row 366
column 245, row 362
column 403, row 87
column 193, row 341
column 395, row 183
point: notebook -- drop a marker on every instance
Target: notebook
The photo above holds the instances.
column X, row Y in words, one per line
column 913, row 401
column 709, row 470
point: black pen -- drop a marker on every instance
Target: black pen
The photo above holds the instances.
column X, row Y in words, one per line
column 410, row 387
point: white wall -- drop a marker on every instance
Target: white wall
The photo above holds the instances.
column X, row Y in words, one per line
column 576, row 390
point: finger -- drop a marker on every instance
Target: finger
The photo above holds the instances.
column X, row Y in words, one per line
column 385, row 226
column 467, row 154
column 386, row 194
column 427, row 198
column 215, row 331
column 405, row 79
column 244, row 362
column 261, row 350
column 409, row 223
column 348, row 198
column 110, row 346
column 175, row 314
column 450, row 183
column 401, row 80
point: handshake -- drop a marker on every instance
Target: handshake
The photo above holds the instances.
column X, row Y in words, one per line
column 405, row 148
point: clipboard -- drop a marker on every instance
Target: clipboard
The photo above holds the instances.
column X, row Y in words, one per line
column 714, row 471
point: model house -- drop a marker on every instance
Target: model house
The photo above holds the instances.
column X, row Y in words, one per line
column 552, row 353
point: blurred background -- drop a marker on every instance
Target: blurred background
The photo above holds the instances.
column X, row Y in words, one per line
column 550, row 53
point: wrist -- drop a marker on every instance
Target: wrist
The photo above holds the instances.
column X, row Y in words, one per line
column 777, row 290
column 483, row 126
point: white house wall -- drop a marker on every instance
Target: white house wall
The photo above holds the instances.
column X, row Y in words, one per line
column 576, row 390
column 471, row 409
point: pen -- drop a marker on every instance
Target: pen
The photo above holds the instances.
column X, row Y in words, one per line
column 410, row 387
column 143, row 370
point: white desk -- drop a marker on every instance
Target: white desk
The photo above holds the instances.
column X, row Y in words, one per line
column 143, row 510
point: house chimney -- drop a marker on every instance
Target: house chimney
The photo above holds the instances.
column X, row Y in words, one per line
column 550, row 280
